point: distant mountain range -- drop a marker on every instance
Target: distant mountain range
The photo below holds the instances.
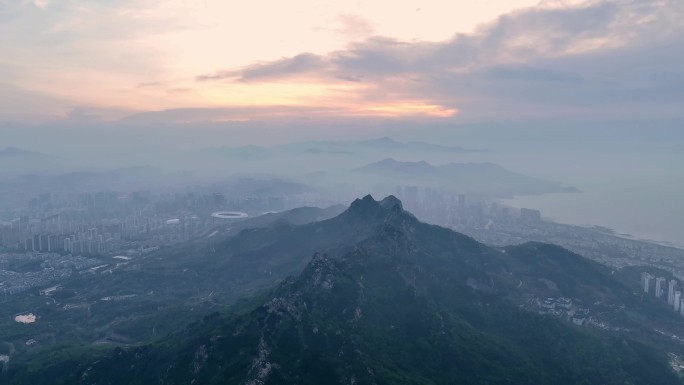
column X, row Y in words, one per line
column 394, row 168
column 16, row 161
column 18, row 153
column 85, row 181
column 341, row 147
column 480, row 178
column 385, row 299
column 143, row 178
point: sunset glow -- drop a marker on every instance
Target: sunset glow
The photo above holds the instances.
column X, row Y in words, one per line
column 138, row 56
column 118, row 59
column 407, row 109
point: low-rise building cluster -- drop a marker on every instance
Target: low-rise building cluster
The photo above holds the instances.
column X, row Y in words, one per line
column 52, row 268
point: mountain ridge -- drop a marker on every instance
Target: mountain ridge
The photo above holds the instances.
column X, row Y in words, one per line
column 340, row 148
column 401, row 302
column 12, row 151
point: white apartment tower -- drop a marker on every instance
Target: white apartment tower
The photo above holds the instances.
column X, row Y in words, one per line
column 646, row 281
column 677, row 300
column 670, row 291
column 659, row 286
column 644, row 278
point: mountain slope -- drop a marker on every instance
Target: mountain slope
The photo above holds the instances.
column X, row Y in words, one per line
column 407, row 303
column 392, row 168
column 296, row 216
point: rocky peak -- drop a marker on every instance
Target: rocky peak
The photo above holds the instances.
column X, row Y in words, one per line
column 391, row 203
column 370, row 211
column 365, row 203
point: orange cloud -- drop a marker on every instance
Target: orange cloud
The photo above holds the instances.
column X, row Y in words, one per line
column 401, row 109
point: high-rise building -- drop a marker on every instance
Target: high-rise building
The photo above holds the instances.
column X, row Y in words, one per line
column 670, row 291
column 24, row 222
column 461, row 201
column 646, row 281
column 677, row 300
column 51, row 242
column 411, row 193
column 681, row 307
column 644, row 276
column 530, row 215
column 28, row 244
column 659, row 286
column 36, row 242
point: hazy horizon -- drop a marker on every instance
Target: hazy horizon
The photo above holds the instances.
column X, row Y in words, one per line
column 584, row 94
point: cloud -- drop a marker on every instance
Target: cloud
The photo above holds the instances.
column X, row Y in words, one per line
column 25, row 106
column 150, row 84
column 594, row 57
column 530, row 74
column 17, row 105
column 84, row 114
column 373, row 56
column 590, row 57
column 351, row 26
column 283, row 114
column 42, row 4
column 87, row 51
column 355, row 26
column 302, row 63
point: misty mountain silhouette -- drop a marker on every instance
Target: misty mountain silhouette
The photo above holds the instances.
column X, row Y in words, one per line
column 482, row 178
column 16, row 161
column 340, row 148
column 10, row 151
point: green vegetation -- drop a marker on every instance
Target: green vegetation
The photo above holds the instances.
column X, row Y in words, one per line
column 399, row 302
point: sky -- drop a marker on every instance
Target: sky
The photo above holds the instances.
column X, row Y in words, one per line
column 181, row 61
